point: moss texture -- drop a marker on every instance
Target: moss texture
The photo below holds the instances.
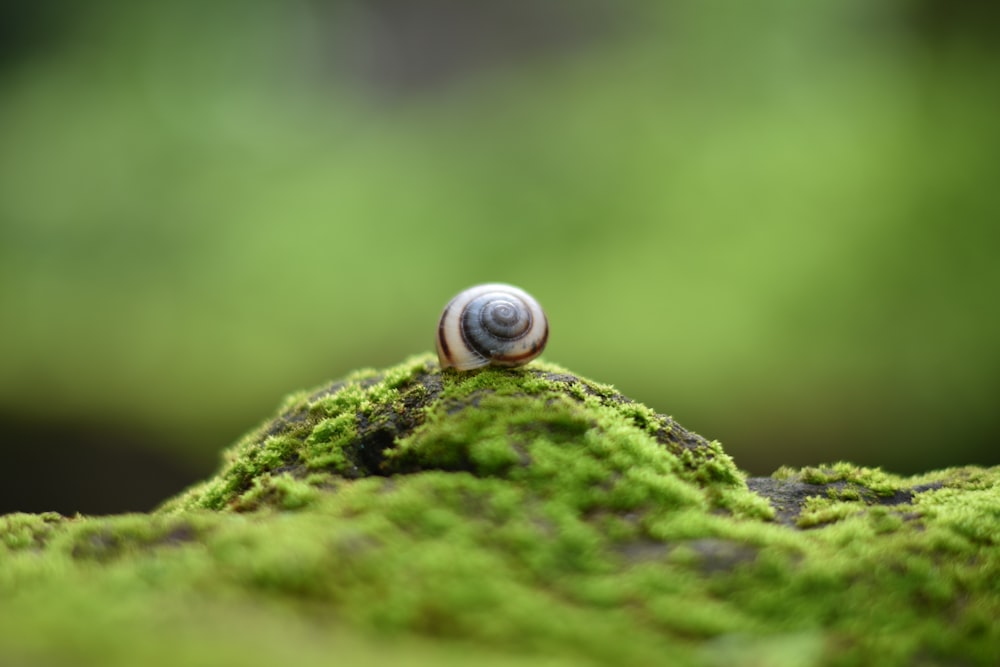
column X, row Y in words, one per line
column 510, row 516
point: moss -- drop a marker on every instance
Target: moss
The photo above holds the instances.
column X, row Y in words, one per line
column 513, row 515
column 819, row 510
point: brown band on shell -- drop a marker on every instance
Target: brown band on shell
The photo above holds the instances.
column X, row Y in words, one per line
column 442, row 339
column 532, row 351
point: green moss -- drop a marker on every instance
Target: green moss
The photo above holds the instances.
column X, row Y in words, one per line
column 522, row 514
column 823, row 510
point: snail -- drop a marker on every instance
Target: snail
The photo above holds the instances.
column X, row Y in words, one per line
column 491, row 324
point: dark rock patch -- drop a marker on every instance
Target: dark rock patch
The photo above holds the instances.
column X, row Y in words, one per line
column 711, row 555
column 788, row 496
column 104, row 545
column 717, row 555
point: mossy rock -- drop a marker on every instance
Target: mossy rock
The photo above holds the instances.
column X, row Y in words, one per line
column 509, row 517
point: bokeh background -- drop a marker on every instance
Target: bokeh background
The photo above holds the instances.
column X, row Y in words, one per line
column 776, row 221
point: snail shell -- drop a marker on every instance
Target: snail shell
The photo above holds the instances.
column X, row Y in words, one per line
column 492, row 324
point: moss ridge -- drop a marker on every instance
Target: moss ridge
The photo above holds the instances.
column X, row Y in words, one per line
column 509, row 423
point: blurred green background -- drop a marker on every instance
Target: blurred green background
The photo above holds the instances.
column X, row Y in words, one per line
column 776, row 221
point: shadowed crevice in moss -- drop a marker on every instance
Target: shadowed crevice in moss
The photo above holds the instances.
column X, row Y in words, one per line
column 385, row 423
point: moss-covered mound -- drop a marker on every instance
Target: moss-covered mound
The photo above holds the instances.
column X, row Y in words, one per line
column 510, row 516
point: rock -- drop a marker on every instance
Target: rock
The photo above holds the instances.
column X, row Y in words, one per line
column 527, row 515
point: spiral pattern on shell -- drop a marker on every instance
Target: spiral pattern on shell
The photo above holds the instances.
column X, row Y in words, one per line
column 491, row 324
